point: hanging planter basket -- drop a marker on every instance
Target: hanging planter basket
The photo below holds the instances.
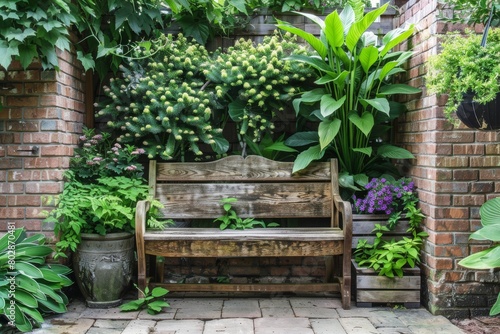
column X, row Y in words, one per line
column 479, row 116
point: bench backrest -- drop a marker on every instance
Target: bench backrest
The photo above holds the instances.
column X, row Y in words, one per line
column 263, row 188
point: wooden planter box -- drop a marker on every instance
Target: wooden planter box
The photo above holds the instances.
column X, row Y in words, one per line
column 369, row 288
column 372, row 289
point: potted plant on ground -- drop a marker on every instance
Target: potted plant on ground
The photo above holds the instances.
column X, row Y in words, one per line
column 94, row 216
column 386, row 225
column 468, row 70
column 351, row 104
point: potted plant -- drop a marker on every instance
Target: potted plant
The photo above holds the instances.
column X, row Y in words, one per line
column 351, row 103
column 94, row 216
column 386, row 225
column 468, row 70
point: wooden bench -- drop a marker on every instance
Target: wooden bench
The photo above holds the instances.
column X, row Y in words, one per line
column 263, row 189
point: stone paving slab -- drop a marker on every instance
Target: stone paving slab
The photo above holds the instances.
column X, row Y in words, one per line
column 296, row 315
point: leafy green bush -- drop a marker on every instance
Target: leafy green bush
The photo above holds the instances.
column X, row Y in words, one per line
column 29, row 287
column 152, row 301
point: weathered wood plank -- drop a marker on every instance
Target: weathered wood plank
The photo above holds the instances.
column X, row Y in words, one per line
column 387, row 296
column 386, row 283
column 298, row 233
column 236, row 169
column 370, row 271
column 310, row 287
column 256, row 200
column 244, row 248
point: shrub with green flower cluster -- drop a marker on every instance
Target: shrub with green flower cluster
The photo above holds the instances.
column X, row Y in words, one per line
column 258, row 81
column 161, row 101
column 176, row 99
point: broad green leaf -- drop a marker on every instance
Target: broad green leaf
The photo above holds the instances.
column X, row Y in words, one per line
column 488, row 232
column 359, row 27
column 315, row 62
column 394, row 37
column 32, row 313
column 348, row 17
column 486, row 259
column 334, row 30
column 133, row 305
column 13, row 236
column 279, row 146
column 221, row 144
column 490, row 212
column 33, row 250
column 368, row 57
column 54, row 306
column 313, row 41
column 364, row 123
column 28, row 269
column 7, row 50
column 27, row 283
column 236, row 110
column 159, row 292
column 26, row 54
column 327, row 130
column 365, row 150
column 394, row 152
column 314, row 95
column 50, row 292
column 329, row 105
column 386, row 69
column 347, row 181
column 305, row 158
column 26, row 298
column 302, row 139
column 381, row 104
column 50, row 276
column 314, row 18
column 22, row 323
column 240, row 5
column 63, row 5
column 398, row 89
column 495, row 309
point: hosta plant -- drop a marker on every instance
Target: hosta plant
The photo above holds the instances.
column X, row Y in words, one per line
column 490, row 231
column 30, row 288
column 352, row 101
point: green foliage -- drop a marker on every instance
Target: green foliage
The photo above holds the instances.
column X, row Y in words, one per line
column 29, row 287
column 257, row 81
column 464, row 66
column 106, row 206
column 33, row 29
column 352, row 102
column 173, row 103
column 471, row 12
column 231, row 220
column 162, row 104
column 152, row 301
column 490, row 231
column 388, row 258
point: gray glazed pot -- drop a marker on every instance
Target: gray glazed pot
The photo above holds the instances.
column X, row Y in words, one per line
column 103, row 267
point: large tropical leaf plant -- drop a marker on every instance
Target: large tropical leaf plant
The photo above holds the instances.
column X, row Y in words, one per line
column 352, row 101
column 490, row 257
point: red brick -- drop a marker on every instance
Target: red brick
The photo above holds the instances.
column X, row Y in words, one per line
column 466, row 174
column 58, row 150
column 24, row 200
column 438, row 263
column 21, row 150
column 42, row 113
column 468, row 149
column 11, row 163
column 12, row 213
column 21, row 101
column 44, row 187
column 3, row 200
column 485, row 161
column 482, row 187
column 447, row 225
column 58, row 162
column 468, row 200
column 489, row 174
column 11, row 188
column 11, row 113
column 6, row 138
column 40, row 212
column 41, row 87
column 22, row 126
column 440, row 238
column 23, row 76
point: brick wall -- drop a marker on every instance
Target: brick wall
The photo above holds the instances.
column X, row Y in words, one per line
column 456, row 169
column 40, row 121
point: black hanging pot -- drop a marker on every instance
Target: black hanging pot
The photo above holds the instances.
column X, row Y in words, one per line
column 479, row 116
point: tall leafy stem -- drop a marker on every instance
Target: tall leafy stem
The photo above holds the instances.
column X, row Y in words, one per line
column 352, row 101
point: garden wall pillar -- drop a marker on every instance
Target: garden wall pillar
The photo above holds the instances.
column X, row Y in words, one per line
column 42, row 115
column 456, row 169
